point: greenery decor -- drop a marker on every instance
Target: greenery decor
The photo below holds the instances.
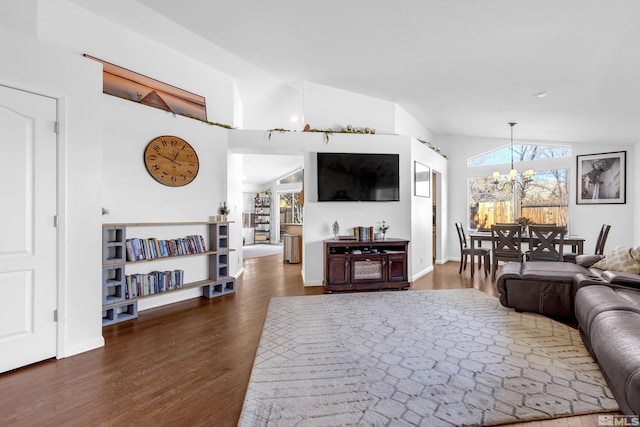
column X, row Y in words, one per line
column 187, row 115
column 336, row 228
column 524, row 221
column 433, row 147
column 383, row 228
column 327, row 132
column 223, row 209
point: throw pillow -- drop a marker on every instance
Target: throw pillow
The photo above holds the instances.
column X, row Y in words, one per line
column 588, row 260
column 623, row 259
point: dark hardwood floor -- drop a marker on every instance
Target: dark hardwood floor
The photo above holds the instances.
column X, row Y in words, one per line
column 185, row 364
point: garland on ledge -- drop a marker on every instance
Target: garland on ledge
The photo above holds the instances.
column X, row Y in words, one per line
column 433, row 147
column 190, row 116
column 327, row 132
column 349, row 129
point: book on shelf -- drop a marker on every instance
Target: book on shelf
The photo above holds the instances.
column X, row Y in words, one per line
column 151, row 248
column 155, row 282
column 363, row 233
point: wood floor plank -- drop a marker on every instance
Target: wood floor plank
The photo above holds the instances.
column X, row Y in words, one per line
column 182, row 364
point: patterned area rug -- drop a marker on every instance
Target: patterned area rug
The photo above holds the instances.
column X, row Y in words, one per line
column 428, row 358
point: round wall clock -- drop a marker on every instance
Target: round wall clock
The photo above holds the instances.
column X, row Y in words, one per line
column 171, row 161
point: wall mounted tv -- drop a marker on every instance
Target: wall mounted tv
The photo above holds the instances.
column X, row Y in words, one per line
column 358, row 177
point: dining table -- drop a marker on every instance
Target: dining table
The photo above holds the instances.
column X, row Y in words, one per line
column 477, row 237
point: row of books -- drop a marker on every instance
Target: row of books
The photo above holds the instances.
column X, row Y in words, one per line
column 153, row 283
column 363, row 233
column 139, row 249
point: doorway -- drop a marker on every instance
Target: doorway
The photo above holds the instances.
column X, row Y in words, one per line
column 28, row 234
column 434, row 198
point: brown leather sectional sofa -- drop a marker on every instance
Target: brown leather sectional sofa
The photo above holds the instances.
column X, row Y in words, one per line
column 605, row 305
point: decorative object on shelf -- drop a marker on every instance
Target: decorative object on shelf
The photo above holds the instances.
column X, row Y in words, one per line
column 422, row 180
column 171, row 161
column 327, row 132
column 262, row 220
column 433, row 147
column 601, row 178
column 383, row 229
column 336, row 229
column 223, row 210
column 267, row 192
column 351, row 129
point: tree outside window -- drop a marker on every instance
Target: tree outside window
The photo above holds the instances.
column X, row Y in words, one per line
column 544, row 201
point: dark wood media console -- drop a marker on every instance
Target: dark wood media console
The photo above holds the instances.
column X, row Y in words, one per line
column 365, row 265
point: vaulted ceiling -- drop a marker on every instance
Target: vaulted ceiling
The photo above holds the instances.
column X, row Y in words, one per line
column 462, row 67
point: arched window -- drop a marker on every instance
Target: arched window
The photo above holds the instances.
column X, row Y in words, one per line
column 521, row 152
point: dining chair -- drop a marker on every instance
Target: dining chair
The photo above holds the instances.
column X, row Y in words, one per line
column 506, row 244
column 465, row 252
column 546, row 242
column 600, row 242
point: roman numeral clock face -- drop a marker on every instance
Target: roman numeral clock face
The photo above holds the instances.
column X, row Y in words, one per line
column 171, row 161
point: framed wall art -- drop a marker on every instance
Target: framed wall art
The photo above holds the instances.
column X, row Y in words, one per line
column 127, row 84
column 601, row 178
column 422, row 180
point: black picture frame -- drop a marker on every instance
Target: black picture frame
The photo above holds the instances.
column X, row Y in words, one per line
column 601, row 178
column 422, row 180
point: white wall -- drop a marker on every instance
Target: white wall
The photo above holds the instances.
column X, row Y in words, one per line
column 318, row 217
column 584, row 220
column 130, row 194
column 406, row 124
column 330, row 108
column 234, row 201
column 74, row 29
column 634, row 188
column 76, row 84
column 421, row 254
column 53, row 66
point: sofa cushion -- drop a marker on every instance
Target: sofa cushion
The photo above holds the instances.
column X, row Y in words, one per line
column 614, row 337
column 592, row 300
column 622, row 259
column 544, row 287
column 619, row 278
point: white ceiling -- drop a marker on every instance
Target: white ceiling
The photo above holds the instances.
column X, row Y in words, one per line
column 461, row 67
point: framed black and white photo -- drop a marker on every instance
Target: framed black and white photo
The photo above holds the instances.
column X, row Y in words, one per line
column 422, row 180
column 601, row 178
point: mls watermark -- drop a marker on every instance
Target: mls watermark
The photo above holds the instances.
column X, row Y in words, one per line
column 618, row 420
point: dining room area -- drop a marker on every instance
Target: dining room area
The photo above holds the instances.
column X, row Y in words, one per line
column 518, row 242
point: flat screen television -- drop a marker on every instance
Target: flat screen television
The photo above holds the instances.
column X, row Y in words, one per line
column 358, row 177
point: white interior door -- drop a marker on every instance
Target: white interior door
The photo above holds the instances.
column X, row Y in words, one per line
column 28, row 268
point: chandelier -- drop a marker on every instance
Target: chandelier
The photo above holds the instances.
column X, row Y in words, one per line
column 513, row 178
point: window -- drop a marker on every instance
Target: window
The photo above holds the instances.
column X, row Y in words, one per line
column 290, row 210
column 521, row 152
column 293, row 178
column 545, row 200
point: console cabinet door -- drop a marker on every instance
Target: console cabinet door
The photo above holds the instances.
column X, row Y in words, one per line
column 338, row 268
column 396, row 268
column 367, row 269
